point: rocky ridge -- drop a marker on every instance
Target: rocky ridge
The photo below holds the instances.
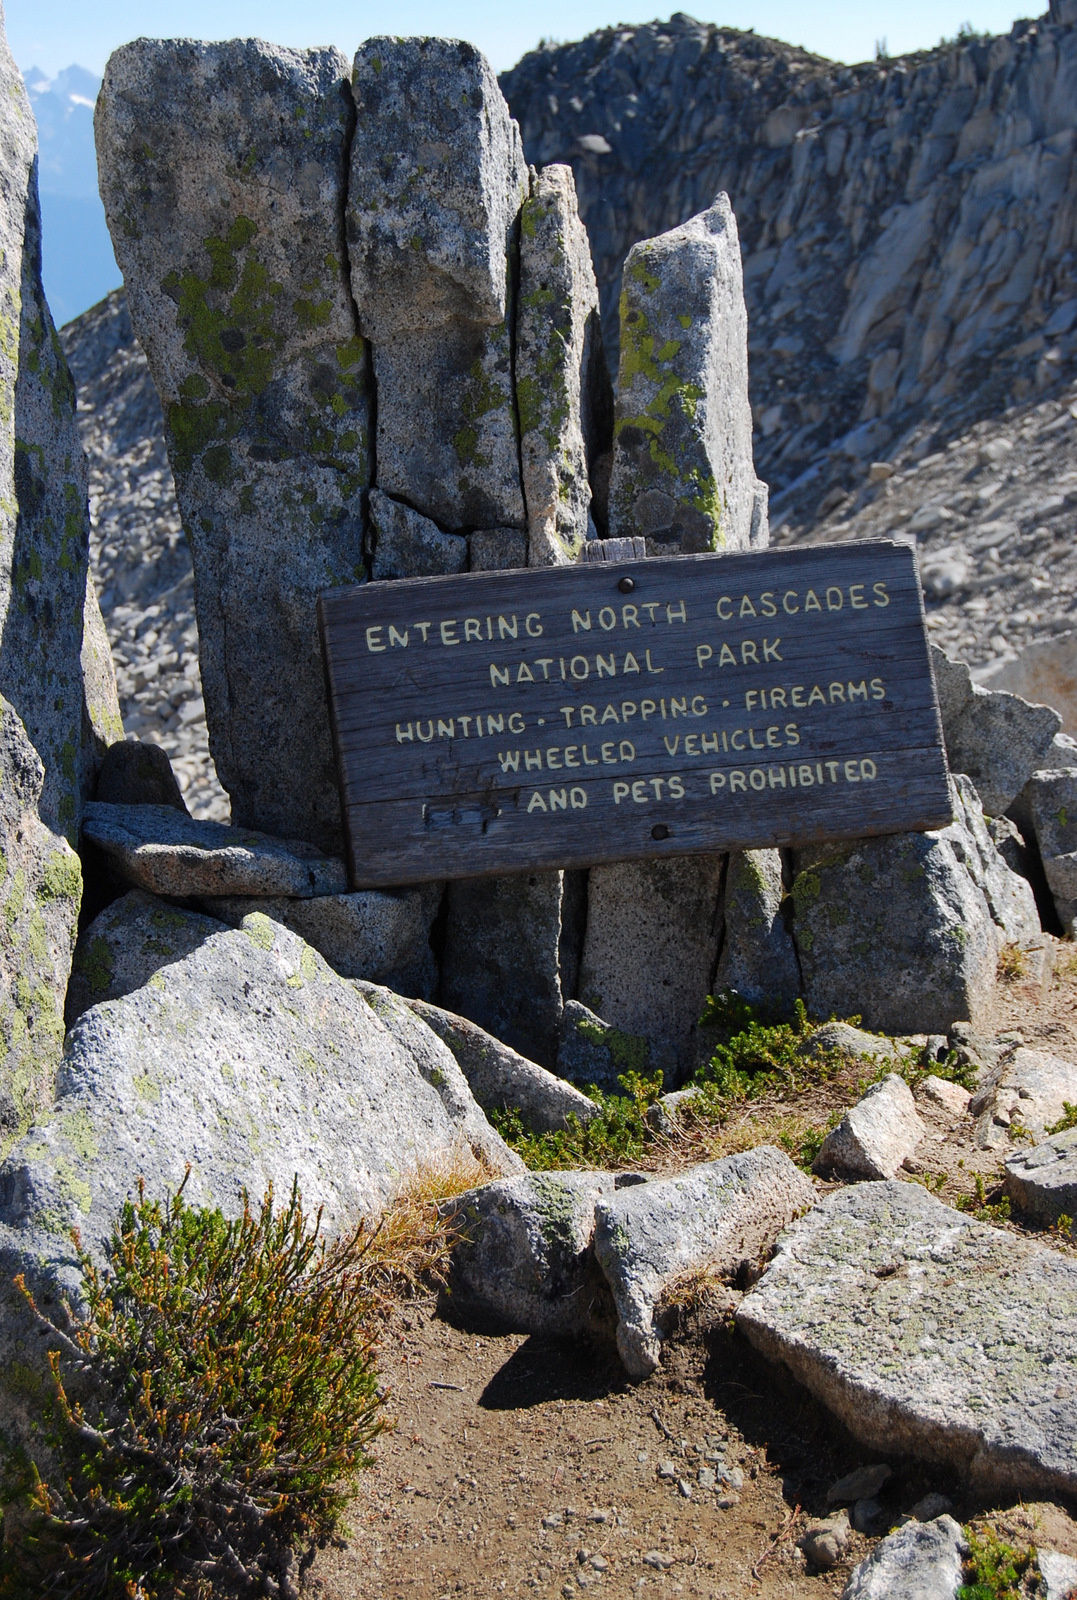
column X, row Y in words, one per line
column 138, row 552
column 907, row 224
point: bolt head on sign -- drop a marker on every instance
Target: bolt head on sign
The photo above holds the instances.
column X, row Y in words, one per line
column 564, row 716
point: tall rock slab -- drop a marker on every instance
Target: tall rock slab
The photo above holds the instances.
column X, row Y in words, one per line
column 653, row 931
column 759, row 958
column 223, row 172
column 50, row 623
column 559, row 368
column 501, row 965
column 40, row 893
column 58, row 706
column 437, row 181
column 682, row 456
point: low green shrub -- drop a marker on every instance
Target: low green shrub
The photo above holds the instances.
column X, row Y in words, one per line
column 995, row 1570
column 982, row 1207
column 615, row 1138
column 1067, row 1120
column 755, row 1050
column 215, row 1397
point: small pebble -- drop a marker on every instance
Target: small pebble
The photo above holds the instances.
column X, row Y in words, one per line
column 869, row 1517
column 930, row 1507
column 862, row 1484
column 553, row 1519
column 598, row 1516
column 685, row 1488
column 658, row 1560
column 599, row 1562
column 706, row 1477
column 823, row 1543
column 726, row 1502
column 667, row 1469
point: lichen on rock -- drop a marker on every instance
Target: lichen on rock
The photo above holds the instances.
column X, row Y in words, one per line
column 682, row 458
column 40, row 895
column 558, row 354
column 223, row 175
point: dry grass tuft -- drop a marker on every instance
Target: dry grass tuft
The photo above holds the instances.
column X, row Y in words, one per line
column 407, row 1248
column 1012, row 964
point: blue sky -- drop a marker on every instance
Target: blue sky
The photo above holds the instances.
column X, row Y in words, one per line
column 52, row 34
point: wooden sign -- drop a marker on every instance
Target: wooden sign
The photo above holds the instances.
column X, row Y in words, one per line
column 565, row 716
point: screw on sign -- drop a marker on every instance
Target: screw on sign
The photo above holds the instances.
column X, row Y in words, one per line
column 566, row 716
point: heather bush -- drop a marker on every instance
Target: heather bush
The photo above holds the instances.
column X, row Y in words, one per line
column 215, row 1397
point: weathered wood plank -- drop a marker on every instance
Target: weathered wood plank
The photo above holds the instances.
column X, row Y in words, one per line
column 571, row 715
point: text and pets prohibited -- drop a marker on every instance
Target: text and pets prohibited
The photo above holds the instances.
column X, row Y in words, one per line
column 566, row 716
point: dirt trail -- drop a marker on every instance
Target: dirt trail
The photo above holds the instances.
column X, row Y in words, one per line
column 523, row 1466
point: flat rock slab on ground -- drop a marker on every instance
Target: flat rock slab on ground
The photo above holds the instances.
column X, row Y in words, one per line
column 928, row 1334
column 876, row 1135
column 500, row 1078
column 1043, row 1181
column 1030, row 1089
column 711, row 1217
column 162, row 850
column 922, row 1561
column 526, row 1258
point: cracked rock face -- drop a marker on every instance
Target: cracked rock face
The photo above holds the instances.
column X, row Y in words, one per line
column 682, row 455
column 502, row 961
column 55, row 668
column 1051, row 799
column 40, row 894
column 928, row 1334
column 438, row 176
column 653, row 930
column 58, row 705
column 223, row 171
column 758, row 959
column 407, row 545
